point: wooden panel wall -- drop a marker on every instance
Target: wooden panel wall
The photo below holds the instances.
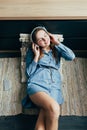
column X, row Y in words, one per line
column 74, row 33
column 74, row 78
column 43, row 9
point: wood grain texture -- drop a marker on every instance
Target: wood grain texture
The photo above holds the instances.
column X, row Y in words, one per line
column 43, row 9
column 74, row 79
column 10, row 87
column 74, row 88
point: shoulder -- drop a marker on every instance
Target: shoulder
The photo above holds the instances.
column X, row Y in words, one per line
column 29, row 52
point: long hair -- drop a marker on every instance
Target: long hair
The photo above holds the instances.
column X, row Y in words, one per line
column 52, row 45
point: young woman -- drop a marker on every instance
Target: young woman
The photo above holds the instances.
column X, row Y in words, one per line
column 44, row 81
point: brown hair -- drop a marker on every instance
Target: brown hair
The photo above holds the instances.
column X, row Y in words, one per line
column 52, row 45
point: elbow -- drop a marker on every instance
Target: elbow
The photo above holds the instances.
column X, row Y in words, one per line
column 72, row 57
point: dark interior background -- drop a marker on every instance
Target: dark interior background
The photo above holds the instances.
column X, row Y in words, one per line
column 74, row 32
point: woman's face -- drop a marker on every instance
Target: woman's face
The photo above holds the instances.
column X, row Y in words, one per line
column 42, row 39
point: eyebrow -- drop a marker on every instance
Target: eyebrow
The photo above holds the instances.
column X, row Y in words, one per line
column 41, row 38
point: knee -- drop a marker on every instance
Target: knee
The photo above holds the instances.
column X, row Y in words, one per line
column 54, row 110
column 39, row 128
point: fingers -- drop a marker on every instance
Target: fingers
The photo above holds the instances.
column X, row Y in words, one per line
column 53, row 38
column 50, row 35
column 34, row 46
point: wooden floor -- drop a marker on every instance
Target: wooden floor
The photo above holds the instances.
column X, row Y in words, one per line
column 74, row 78
column 26, row 122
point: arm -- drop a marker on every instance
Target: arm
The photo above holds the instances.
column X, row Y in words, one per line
column 65, row 52
column 32, row 59
column 30, row 63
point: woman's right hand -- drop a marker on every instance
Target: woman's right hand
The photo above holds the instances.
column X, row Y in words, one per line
column 36, row 51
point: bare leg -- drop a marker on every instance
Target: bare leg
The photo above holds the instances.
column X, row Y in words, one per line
column 51, row 122
column 40, row 124
column 50, row 107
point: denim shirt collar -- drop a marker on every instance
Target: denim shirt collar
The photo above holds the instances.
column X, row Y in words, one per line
column 47, row 53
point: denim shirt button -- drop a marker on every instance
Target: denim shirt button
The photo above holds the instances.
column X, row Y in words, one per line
column 53, row 81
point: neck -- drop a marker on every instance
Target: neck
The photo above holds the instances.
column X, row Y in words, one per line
column 47, row 49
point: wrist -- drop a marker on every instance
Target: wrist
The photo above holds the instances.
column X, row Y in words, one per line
column 57, row 42
column 36, row 58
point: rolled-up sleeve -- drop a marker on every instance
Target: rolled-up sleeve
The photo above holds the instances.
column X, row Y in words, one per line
column 30, row 63
column 65, row 52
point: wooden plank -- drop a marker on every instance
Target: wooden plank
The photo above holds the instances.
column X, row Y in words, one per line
column 43, row 9
column 82, row 84
column 75, row 82
column 9, row 51
column 65, row 111
column 10, row 86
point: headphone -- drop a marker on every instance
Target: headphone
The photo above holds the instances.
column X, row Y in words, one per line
column 38, row 27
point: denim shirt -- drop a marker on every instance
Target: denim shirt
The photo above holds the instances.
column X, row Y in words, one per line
column 44, row 75
column 47, row 60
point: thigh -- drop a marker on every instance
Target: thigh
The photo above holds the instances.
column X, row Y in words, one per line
column 40, row 124
column 43, row 100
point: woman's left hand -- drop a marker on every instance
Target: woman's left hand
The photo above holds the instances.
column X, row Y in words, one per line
column 54, row 38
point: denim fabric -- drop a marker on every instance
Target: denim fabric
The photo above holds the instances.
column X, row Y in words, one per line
column 44, row 75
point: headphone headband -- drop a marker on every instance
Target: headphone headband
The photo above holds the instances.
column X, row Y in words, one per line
column 38, row 27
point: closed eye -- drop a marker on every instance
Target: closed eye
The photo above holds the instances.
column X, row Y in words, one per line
column 39, row 40
column 45, row 35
